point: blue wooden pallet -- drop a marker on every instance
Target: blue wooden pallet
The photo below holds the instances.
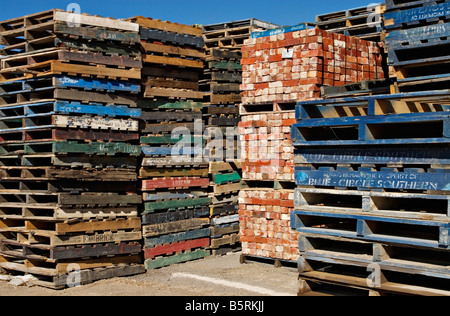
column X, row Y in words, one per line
column 392, row 5
column 66, row 82
column 415, row 17
column 63, row 107
column 366, row 178
column 172, row 151
column 411, row 128
column 421, row 46
column 377, row 155
column 386, row 204
column 323, row 107
column 399, row 231
column 283, row 30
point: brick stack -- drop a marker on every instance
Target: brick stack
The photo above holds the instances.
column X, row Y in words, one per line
column 292, row 66
column 264, row 218
column 280, row 68
column 68, row 148
column 174, row 175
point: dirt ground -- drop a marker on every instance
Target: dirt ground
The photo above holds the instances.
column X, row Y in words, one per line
column 213, row 276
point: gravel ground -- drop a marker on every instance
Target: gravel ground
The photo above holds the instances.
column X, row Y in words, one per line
column 213, row 276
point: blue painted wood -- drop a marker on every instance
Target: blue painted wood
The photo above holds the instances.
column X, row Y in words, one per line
column 282, row 30
column 416, row 15
column 369, row 101
column 418, row 36
column 359, row 130
column 392, row 5
column 96, row 109
column 373, row 155
column 367, row 179
column 171, row 151
column 307, row 222
column 96, row 84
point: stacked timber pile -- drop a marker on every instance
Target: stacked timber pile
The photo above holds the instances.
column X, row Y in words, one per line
column 174, row 174
column 371, row 204
column 221, row 82
column 68, row 148
column 364, row 22
column 417, row 44
column 294, row 64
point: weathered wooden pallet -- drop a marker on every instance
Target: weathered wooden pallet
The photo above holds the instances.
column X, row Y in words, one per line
column 172, row 61
column 223, row 54
column 174, row 227
column 398, row 231
column 182, row 182
column 220, row 88
column 56, row 68
column 176, row 94
column 411, row 128
column 62, row 277
column 91, row 46
column 175, row 172
column 171, row 38
column 73, row 161
column 367, row 178
column 172, row 84
column 86, row 58
column 221, row 76
column 49, row 212
column 388, row 204
column 224, row 241
column 41, row 26
column 172, row 151
column 166, row 26
column 44, row 252
column 180, row 194
column 170, row 105
column 109, row 149
column 175, row 216
column 217, row 99
column 171, row 162
column 219, row 231
column 175, row 247
column 224, row 208
column 173, row 238
column 223, row 109
column 151, row 207
column 411, row 18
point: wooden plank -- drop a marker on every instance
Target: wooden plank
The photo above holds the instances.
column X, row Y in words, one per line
column 172, row 162
column 227, row 177
column 105, row 237
column 174, row 84
column 65, row 253
column 180, row 258
column 172, row 50
column 173, row 172
column 69, row 17
column 172, row 93
column 165, row 26
column 175, row 204
column 91, row 226
column 96, row 123
column 227, row 188
column 173, row 38
column 106, row 48
column 171, row 61
column 171, row 104
column 176, row 247
column 172, row 238
column 96, row 148
column 174, row 227
column 149, row 185
column 97, row 33
column 95, row 97
column 201, row 212
column 94, row 109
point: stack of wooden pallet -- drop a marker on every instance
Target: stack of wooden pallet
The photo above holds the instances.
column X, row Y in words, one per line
column 372, row 202
column 293, row 66
column 68, row 128
column 417, row 44
column 364, row 22
column 175, row 176
column 221, row 82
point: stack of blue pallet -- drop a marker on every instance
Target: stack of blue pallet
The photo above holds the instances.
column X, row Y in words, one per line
column 418, row 43
column 372, row 197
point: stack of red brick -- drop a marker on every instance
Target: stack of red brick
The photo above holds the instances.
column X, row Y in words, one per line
column 318, row 58
column 264, row 218
column 267, row 153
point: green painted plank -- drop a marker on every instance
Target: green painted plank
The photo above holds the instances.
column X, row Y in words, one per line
column 180, row 258
column 177, row 105
column 172, row 140
column 174, row 204
column 228, row 177
column 229, row 65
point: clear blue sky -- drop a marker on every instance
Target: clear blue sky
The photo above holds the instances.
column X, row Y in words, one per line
column 283, row 12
